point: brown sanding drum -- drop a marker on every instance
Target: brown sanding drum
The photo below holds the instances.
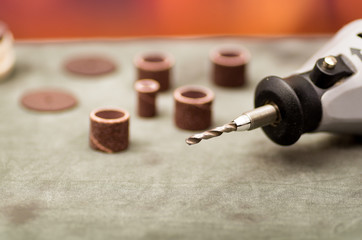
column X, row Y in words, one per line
column 146, row 93
column 155, row 66
column 193, row 107
column 109, row 129
column 229, row 66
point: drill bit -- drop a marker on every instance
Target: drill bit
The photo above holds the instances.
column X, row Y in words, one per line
column 259, row 117
column 230, row 127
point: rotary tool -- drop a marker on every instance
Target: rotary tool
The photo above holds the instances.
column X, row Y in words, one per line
column 323, row 96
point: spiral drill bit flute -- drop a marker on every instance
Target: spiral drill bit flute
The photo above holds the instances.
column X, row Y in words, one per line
column 258, row 117
column 325, row 95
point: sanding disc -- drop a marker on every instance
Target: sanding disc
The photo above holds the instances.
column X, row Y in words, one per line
column 48, row 100
column 90, row 66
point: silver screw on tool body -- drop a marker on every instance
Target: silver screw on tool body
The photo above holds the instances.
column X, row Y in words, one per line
column 329, row 62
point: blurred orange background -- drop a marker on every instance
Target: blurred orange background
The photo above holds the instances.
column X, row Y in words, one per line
column 131, row 18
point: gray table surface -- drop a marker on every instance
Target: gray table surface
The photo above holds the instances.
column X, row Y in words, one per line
column 239, row 186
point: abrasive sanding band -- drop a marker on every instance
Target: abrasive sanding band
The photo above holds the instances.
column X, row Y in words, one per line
column 146, row 94
column 229, row 66
column 155, row 66
column 193, row 107
column 109, row 129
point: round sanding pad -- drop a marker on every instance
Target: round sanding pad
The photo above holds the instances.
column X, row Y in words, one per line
column 48, row 100
column 90, row 66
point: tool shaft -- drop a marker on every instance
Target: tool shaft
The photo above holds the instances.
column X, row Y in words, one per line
column 262, row 116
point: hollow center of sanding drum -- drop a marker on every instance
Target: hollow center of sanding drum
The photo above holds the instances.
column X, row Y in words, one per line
column 154, row 58
column 230, row 53
column 110, row 114
column 148, row 85
column 193, row 94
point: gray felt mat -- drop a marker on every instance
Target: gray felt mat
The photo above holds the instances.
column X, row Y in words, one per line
column 238, row 186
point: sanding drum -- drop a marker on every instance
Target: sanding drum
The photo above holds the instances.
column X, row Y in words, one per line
column 109, row 129
column 146, row 94
column 155, row 66
column 7, row 54
column 193, row 107
column 229, row 66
